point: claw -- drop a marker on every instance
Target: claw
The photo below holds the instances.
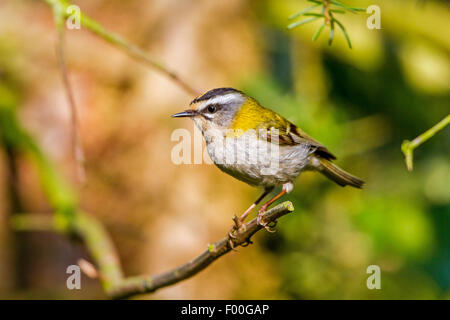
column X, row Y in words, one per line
column 263, row 224
column 230, row 234
column 259, row 218
column 230, row 243
column 237, row 226
column 247, row 243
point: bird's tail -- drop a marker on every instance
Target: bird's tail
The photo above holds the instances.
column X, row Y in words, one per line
column 336, row 174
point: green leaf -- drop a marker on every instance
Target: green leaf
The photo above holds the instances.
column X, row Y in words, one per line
column 299, row 23
column 330, row 38
column 314, row 14
column 315, row 1
column 298, row 14
column 338, row 11
column 318, row 32
column 343, row 6
column 345, row 33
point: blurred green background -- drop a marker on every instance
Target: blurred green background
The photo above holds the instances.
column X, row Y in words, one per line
column 361, row 103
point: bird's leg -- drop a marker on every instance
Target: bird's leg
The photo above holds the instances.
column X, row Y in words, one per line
column 286, row 189
column 238, row 222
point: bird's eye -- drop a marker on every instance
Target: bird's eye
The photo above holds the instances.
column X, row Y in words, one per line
column 212, row 109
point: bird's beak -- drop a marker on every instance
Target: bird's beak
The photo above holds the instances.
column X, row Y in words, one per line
column 186, row 113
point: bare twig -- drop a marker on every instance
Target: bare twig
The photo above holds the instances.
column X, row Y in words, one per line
column 326, row 11
column 409, row 146
column 105, row 256
column 60, row 13
column 135, row 52
column 77, row 149
column 118, row 41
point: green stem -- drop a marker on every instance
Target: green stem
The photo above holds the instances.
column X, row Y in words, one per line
column 409, row 146
column 60, row 8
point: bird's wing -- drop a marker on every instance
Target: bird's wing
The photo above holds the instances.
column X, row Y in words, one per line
column 290, row 134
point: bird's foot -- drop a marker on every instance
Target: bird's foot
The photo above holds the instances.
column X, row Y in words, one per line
column 238, row 224
column 247, row 243
column 260, row 222
column 230, row 242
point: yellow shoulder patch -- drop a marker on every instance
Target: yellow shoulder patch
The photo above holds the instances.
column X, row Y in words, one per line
column 254, row 116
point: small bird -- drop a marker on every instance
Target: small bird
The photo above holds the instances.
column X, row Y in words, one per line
column 240, row 139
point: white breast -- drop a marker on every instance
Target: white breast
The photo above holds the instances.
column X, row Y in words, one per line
column 255, row 161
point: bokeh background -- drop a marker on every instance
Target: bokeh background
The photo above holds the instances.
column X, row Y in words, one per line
column 360, row 103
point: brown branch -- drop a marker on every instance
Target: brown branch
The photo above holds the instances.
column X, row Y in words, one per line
column 103, row 252
column 326, row 11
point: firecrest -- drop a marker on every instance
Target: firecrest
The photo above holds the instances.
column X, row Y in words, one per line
column 258, row 146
